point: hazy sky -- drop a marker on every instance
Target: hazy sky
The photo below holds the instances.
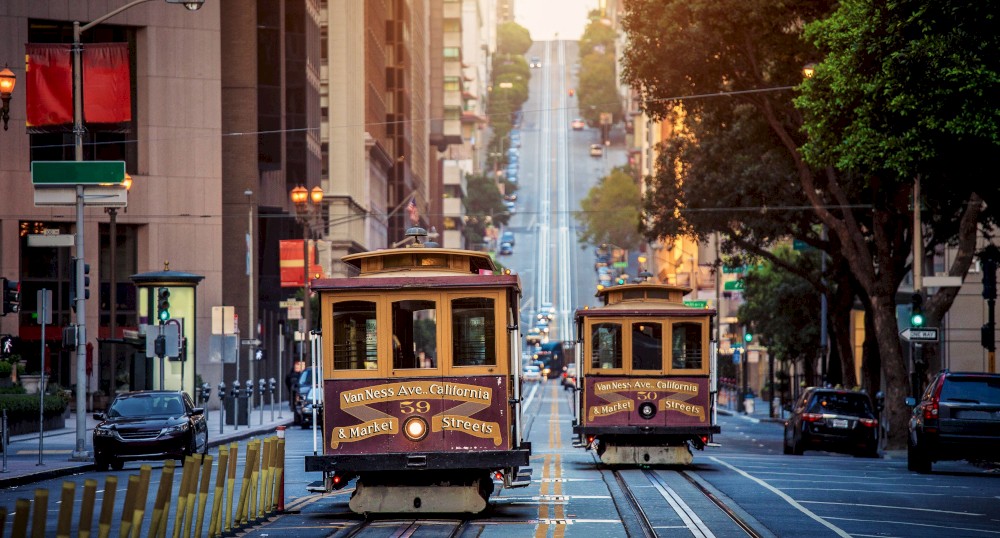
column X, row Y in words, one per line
column 543, row 18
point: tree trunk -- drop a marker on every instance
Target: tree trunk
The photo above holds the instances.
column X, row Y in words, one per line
column 894, row 369
column 841, row 304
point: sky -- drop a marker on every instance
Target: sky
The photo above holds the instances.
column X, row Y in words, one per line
column 543, row 18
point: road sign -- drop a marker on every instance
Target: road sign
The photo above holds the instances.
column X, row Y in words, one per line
column 696, row 304
column 291, row 303
column 47, row 240
column 249, row 342
column 60, row 173
column 171, row 334
column 922, row 334
column 620, row 265
column 729, row 270
column 223, row 320
column 734, row 285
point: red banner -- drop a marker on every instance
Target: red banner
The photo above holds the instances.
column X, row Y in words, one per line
column 290, row 263
column 107, row 89
column 49, row 83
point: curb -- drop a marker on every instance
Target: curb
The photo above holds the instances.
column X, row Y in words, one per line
column 30, row 478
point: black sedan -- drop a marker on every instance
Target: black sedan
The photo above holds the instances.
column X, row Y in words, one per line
column 304, row 412
column 835, row 420
column 149, row 425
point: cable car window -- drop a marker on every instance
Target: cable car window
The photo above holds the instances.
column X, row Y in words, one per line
column 414, row 334
column 606, row 345
column 647, row 346
column 473, row 332
column 687, row 346
column 354, row 336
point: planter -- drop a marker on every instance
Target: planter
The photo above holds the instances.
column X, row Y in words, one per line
column 31, row 382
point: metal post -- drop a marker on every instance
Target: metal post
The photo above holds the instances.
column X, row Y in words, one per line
column 281, row 364
column 261, row 387
column 271, row 390
column 306, row 309
column 251, row 324
column 163, row 358
column 222, row 406
column 3, row 440
column 41, row 384
column 236, row 397
column 113, row 297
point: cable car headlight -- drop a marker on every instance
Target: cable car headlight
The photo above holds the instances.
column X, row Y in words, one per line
column 647, row 410
column 415, row 428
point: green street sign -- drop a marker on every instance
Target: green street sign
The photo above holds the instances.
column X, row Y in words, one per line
column 620, row 265
column 730, row 270
column 798, row 244
column 696, row 304
column 734, row 285
column 62, row 173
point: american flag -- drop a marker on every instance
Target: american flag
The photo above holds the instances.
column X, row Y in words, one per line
column 413, row 212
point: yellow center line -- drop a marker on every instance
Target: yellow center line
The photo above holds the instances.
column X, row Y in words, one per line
column 554, row 426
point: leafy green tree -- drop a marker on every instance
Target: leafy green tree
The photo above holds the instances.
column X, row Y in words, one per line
column 610, row 213
column 504, row 64
column 683, row 50
column 512, row 38
column 483, row 206
column 784, row 310
column 598, row 92
column 597, row 36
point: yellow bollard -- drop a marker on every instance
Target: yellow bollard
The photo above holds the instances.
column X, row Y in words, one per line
column 130, row 492
column 40, row 513
column 192, row 492
column 206, row 480
column 139, row 511
column 87, row 508
column 182, row 494
column 231, row 485
column 215, row 519
column 265, row 496
column 271, row 476
column 265, row 462
column 107, row 506
column 241, row 505
column 251, row 513
column 279, row 493
column 162, row 498
column 65, row 520
column 21, row 509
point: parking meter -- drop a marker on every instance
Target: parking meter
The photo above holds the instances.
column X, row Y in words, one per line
column 272, row 385
column 249, row 389
column 206, row 393
column 261, row 386
column 222, row 390
column 235, row 391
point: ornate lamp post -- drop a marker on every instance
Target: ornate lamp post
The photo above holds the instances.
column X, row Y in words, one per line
column 307, row 202
column 7, row 82
column 113, row 292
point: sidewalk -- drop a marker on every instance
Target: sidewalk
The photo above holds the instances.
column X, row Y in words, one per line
column 759, row 412
column 58, row 445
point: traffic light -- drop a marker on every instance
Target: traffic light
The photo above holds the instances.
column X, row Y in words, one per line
column 748, row 337
column 987, row 337
column 163, row 304
column 917, row 310
column 989, row 279
column 11, row 296
column 160, row 345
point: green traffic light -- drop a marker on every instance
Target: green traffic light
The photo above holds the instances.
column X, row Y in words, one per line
column 164, row 315
column 917, row 320
column 748, row 337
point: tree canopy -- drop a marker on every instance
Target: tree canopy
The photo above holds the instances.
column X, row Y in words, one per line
column 610, row 212
column 729, row 68
column 512, row 38
column 483, row 206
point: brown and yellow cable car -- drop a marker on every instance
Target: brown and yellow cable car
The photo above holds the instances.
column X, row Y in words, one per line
column 647, row 376
column 421, row 385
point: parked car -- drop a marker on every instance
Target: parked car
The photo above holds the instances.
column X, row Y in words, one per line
column 304, row 411
column 569, row 377
column 148, row 425
column 511, row 208
column 531, row 374
column 506, row 249
column 835, row 420
column 578, row 124
column 300, row 388
column 596, row 150
column 535, row 62
column 957, row 418
column 507, row 237
column 511, row 197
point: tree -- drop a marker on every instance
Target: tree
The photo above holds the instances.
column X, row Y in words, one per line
column 784, row 309
column 483, row 206
column 597, row 36
column 752, row 50
column 512, row 38
column 610, row 212
column 598, row 92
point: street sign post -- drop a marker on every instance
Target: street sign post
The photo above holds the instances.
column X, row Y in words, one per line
column 734, row 285
column 921, row 334
column 696, row 304
column 72, row 173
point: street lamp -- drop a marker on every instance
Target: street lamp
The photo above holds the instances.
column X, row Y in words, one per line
column 306, row 203
column 7, row 81
column 113, row 292
column 81, row 316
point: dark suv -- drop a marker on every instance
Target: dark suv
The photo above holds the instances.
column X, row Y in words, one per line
column 833, row 419
column 957, row 418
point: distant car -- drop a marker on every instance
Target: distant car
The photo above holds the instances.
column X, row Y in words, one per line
column 511, row 170
column 957, row 417
column 578, row 124
column 305, row 408
column 835, row 420
column 535, row 62
column 148, row 425
column 569, row 377
column 534, row 336
column 507, row 237
column 300, row 388
column 548, row 310
column 596, row 150
column 532, row 374
column 506, row 249
column 511, row 208
column 512, row 197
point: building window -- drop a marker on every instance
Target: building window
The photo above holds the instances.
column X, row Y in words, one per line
column 452, row 53
column 452, row 84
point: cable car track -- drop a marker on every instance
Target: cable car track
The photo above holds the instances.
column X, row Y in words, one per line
column 409, row 528
column 689, row 516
